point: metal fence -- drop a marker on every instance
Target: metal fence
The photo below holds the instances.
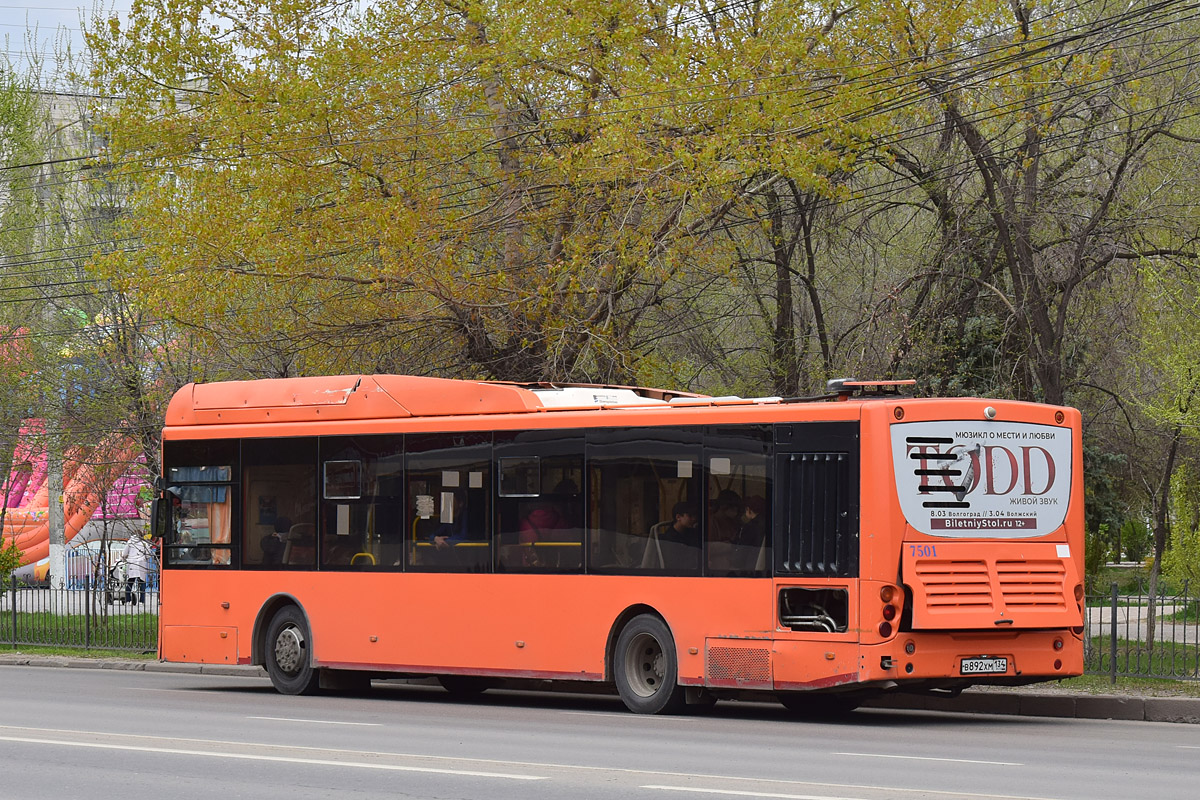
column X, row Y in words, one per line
column 101, row 616
column 1120, row 643
column 104, row 616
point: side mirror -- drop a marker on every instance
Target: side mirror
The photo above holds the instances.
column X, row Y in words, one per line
column 159, row 523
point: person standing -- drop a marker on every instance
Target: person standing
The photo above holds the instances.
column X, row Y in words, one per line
column 139, row 556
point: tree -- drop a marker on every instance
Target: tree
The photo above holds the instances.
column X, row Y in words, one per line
column 1041, row 129
column 19, row 145
column 480, row 189
column 1171, row 309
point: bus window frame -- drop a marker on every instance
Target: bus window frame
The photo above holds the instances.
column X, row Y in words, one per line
column 371, row 451
column 463, row 448
column 721, row 441
column 200, row 453
column 614, row 444
column 310, row 445
column 545, row 445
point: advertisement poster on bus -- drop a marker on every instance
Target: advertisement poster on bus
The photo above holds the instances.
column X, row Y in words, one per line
column 970, row 479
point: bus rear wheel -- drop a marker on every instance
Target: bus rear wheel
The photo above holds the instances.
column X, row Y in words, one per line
column 289, row 653
column 646, row 668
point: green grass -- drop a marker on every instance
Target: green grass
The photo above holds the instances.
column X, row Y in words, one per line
column 1154, row 687
column 77, row 652
column 132, row 632
column 1189, row 613
column 1129, row 581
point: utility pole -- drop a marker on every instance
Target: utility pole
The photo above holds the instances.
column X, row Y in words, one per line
column 58, row 527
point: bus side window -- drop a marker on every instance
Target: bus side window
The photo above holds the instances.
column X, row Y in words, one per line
column 449, row 503
column 198, row 506
column 362, row 525
column 540, row 513
column 738, row 470
column 644, row 507
column 280, row 485
column 199, row 525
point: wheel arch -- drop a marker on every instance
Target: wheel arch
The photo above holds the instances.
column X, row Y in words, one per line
column 268, row 611
column 619, row 624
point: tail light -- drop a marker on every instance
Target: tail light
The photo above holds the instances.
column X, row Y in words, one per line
column 888, row 594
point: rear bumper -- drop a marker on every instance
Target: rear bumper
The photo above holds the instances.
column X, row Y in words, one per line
column 1030, row 655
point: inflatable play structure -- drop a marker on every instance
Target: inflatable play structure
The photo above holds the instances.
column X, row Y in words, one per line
column 100, row 487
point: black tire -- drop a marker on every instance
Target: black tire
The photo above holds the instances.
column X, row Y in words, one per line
column 464, row 685
column 289, row 653
column 811, row 705
column 646, row 668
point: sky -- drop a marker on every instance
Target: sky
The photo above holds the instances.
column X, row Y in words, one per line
column 53, row 21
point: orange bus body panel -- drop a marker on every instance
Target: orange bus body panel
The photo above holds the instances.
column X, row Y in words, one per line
column 726, row 630
column 544, row 626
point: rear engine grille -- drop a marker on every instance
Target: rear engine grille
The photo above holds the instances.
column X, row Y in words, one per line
column 1031, row 583
column 955, row 584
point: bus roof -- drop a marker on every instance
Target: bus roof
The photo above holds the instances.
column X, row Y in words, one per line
column 363, row 397
column 350, row 397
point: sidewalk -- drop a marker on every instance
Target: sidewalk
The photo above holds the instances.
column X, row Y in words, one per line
column 1019, row 702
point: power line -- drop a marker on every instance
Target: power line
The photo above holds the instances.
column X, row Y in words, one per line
column 353, row 142
column 446, row 163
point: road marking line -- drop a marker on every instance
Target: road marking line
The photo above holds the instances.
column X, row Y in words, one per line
column 627, row 716
column 743, row 779
column 278, row 759
column 928, row 758
column 749, row 794
column 320, row 721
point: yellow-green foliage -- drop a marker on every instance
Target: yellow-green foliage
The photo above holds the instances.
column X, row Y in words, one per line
column 1181, row 561
column 10, row 559
column 511, row 188
column 525, row 171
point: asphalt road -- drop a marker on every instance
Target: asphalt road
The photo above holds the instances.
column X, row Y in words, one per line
column 111, row 734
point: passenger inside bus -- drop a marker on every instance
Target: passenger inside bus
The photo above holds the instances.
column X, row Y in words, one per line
column 450, row 531
column 675, row 546
column 544, row 524
column 453, row 527
column 752, row 537
column 725, row 517
column 273, row 543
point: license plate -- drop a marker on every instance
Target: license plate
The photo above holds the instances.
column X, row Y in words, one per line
column 984, row 666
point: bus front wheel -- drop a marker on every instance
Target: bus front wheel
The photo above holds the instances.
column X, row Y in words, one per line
column 289, row 653
column 646, row 668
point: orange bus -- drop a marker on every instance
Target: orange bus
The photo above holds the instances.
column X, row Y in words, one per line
column 681, row 547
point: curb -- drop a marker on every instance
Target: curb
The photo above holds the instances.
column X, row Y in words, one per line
column 1052, row 704
column 1011, row 703
column 129, row 665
